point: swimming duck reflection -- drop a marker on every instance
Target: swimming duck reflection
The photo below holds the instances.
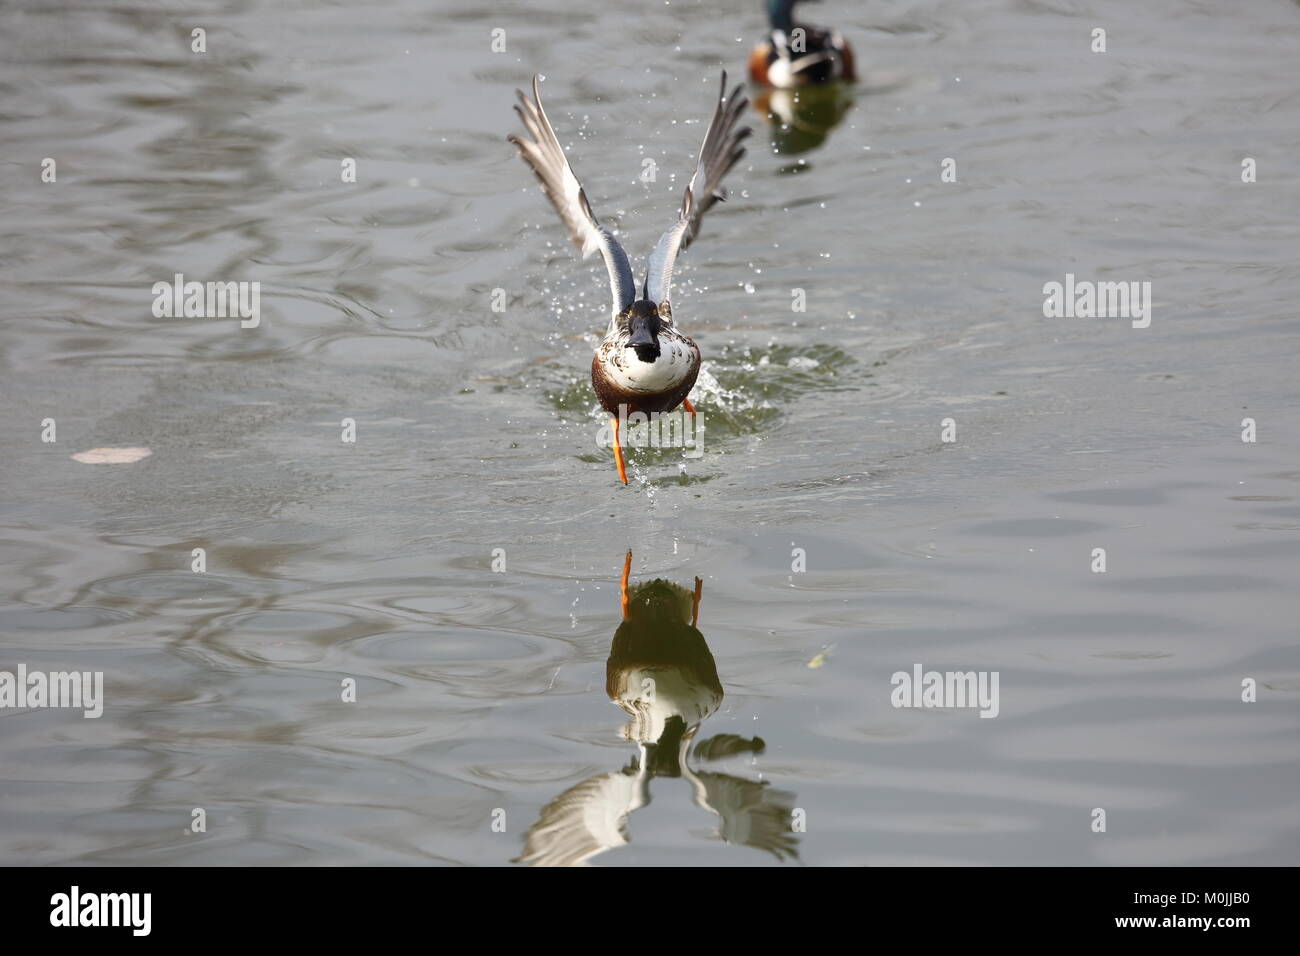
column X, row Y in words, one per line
column 801, row 119
column 661, row 673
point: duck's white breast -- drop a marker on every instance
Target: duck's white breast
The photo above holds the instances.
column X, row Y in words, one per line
column 677, row 356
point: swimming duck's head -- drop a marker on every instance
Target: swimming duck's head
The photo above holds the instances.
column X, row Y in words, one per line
column 780, row 13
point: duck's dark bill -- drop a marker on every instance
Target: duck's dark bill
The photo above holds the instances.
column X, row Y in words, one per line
column 644, row 337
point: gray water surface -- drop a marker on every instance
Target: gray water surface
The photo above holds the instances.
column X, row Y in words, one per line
column 481, row 691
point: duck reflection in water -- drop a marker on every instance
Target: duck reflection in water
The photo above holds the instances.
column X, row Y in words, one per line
column 660, row 671
column 801, row 119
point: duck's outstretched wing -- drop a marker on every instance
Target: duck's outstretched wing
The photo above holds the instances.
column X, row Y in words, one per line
column 546, row 157
column 721, row 151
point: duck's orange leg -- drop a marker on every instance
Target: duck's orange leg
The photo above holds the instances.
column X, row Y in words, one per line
column 695, row 601
column 690, row 409
column 618, row 452
column 623, row 599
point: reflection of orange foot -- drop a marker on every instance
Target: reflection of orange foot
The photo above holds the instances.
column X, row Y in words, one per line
column 690, row 409
column 618, row 452
column 622, row 587
column 695, row 601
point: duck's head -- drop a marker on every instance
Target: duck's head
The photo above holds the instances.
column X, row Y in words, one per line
column 780, row 13
column 643, row 322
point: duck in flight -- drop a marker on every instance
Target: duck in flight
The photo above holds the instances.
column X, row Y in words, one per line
column 797, row 54
column 643, row 364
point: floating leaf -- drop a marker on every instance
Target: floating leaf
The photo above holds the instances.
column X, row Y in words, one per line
column 818, row 660
column 111, row 456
